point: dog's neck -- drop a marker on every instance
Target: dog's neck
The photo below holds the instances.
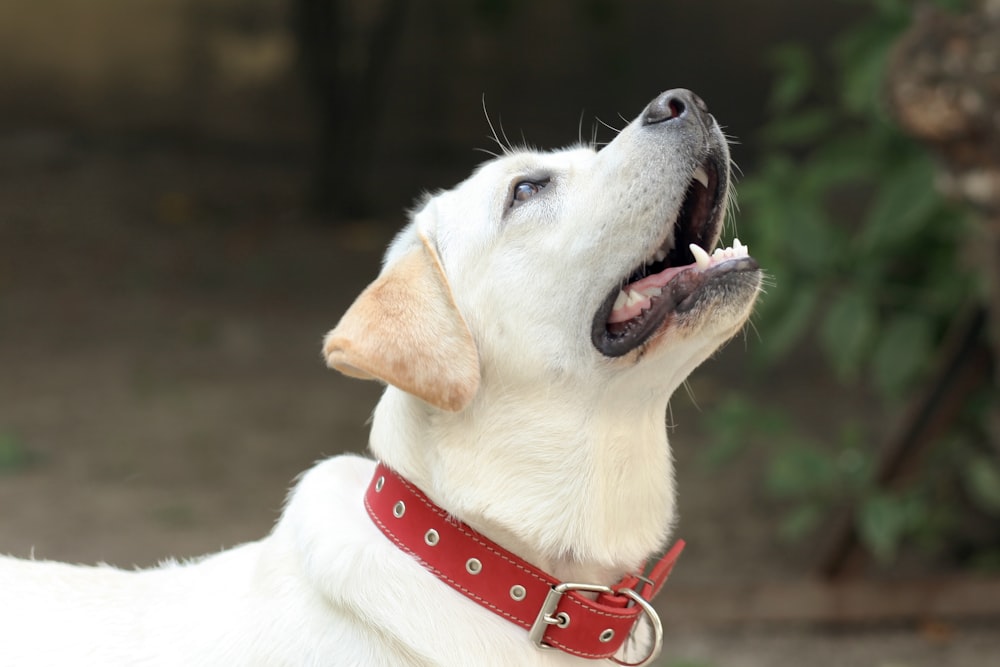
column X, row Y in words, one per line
column 581, row 488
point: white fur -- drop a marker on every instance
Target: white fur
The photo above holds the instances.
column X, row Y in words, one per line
column 561, row 455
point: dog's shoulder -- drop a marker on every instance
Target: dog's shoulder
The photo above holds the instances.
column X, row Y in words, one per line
column 325, row 507
column 329, row 491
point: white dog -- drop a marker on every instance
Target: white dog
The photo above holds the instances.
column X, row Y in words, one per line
column 531, row 324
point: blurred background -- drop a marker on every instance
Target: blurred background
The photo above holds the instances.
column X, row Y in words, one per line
column 192, row 191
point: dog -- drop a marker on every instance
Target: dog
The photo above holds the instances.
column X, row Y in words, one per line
column 530, row 326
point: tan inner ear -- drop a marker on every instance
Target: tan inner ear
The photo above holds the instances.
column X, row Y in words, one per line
column 405, row 329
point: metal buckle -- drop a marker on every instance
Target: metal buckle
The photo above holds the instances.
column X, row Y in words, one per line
column 545, row 618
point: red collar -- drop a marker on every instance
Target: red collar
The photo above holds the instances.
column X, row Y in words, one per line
column 555, row 614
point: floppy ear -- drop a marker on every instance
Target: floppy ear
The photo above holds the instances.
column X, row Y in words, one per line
column 405, row 329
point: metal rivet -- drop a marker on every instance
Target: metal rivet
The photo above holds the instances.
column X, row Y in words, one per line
column 517, row 592
column 431, row 537
column 379, row 483
column 562, row 620
column 399, row 509
column 606, row 636
column 473, row 566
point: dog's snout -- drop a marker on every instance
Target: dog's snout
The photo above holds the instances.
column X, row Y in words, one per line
column 673, row 105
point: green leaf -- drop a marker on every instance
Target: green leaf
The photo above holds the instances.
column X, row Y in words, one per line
column 903, row 350
column 954, row 6
column 816, row 243
column 855, row 460
column 784, row 322
column 982, row 478
column 762, row 199
column 849, row 159
column 800, row 471
column 805, row 127
column 801, row 521
column 794, row 75
column 728, row 425
column 883, row 522
column 893, row 9
column 848, row 329
column 902, row 206
column 726, row 428
column 861, row 56
column 14, row 456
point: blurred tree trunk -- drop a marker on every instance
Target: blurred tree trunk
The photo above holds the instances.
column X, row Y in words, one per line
column 344, row 49
column 943, row 83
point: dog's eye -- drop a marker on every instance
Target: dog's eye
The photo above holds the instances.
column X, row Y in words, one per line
column 525, row 190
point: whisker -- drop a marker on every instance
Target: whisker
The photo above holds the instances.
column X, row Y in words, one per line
column 611, row 127
column 690, row 392
column 487, row 151
column 505, row 146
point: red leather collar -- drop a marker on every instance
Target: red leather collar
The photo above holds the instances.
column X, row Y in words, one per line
column 555, row 614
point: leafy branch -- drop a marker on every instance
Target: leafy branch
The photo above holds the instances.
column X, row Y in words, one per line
column 868, row 263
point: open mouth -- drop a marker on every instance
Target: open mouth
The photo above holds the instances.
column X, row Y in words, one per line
column 669, row 281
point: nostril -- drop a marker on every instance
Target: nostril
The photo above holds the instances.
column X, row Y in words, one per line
column 668, row 106
column 678, row 104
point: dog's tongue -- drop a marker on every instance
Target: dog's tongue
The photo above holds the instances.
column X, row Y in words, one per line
column 638, row 296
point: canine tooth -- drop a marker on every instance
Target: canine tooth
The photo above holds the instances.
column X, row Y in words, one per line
column 740, row 250
column 701, row 257
column 701, row 176
column 620, row 300
column 634, row 298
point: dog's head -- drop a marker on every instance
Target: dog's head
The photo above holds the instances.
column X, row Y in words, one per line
column 577, row 265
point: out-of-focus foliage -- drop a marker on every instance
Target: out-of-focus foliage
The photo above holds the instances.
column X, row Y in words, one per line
column 865, row 260
column 846, row 218
column 14, row 456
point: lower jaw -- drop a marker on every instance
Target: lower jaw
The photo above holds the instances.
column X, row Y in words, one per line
column 679, row 296
column 634, row 334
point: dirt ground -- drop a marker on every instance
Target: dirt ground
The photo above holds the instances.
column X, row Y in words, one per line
column 161, row 386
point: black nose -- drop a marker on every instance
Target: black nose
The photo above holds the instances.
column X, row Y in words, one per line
column 673, row 105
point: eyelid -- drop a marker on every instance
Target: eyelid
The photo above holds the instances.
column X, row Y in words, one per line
column 540, row 182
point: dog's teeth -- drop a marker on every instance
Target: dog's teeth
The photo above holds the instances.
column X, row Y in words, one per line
column 701, row 176
column 701, row 257
column 634, row 298
column 660, row 255
column 652, row 292
column 620, row 300
column 719, row 253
